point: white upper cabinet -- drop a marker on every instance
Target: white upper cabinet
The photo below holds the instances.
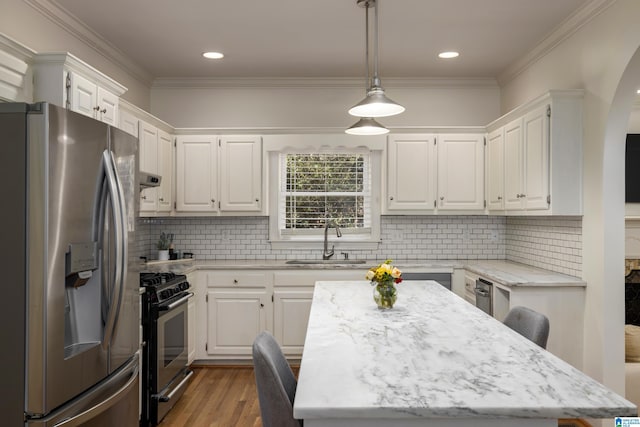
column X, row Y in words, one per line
column 219, row 175
column 128, row 122
column 461, row 172
column 241, row 173
column 196, row 174
column 542, row 156
column 148, row 150
column 165, row 170
column 495, row 170
column 411, row 173
column 65, row 80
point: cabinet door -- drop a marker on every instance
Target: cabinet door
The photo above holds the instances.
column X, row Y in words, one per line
column 536, row 159
column 128, row 123
column 234, row 319
column 411, row 172
column 107, row 104
column 513, row 175
column 461, row 172
column 290, row 318
column 495, row 170
column 165, row 169
column 148, row 163
column 241, row 173
column 196, row 171
column 83, row 95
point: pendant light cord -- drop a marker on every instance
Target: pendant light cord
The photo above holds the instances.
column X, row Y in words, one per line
column 375, row 82
column 366, row 27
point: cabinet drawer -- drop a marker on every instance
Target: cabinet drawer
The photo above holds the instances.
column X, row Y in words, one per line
column 226, row 279
column 310, row 277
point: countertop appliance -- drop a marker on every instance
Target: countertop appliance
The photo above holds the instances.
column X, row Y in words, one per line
column 165, row 347
column 484, row 290
column 70, row 324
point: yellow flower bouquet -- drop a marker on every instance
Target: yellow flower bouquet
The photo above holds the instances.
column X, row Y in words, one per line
column 383, row 278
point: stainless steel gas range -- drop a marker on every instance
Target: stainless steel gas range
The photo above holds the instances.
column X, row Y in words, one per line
column 165, row 349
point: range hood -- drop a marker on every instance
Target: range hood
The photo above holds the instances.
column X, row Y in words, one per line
column 148, row 180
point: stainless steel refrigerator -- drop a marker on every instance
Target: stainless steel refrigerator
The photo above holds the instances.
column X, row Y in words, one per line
column 70, row 321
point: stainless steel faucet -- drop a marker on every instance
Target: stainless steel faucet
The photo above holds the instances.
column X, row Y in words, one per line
column 326, row 254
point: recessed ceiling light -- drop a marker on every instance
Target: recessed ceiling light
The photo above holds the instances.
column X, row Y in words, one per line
column 213, row 55
column 638, row 91
column 448, row 55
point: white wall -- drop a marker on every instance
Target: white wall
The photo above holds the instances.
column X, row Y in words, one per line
column 595, row 58
column 23, row 23
column 323, row 105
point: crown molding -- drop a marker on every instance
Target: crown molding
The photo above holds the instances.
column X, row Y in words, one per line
column 565, row 30
column 320, row 130
column 312, row 82
column 16, row 48
column 63, row 19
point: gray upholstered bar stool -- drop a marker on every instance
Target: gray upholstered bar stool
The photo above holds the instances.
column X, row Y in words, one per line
column 529, row 323
column 275, row 382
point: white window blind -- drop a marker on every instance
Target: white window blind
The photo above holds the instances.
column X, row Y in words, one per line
column 320, row 187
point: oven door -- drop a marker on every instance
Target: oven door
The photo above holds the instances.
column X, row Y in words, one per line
column 171, row 346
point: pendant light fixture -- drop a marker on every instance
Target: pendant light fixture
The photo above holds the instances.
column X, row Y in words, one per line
column 376, row 103
column 367, row 126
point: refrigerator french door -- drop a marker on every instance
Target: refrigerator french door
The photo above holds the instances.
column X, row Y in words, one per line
column 74, row 276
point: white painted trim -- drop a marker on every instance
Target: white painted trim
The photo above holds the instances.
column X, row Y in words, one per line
column 141, row 114
column 74, row 63
column 321, row 130
column 568, row 27
column 16, row 49
column 62, row 18
column 312, row 82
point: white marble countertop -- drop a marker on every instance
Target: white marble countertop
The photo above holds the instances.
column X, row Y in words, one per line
column 432, row 356
column 505, row 272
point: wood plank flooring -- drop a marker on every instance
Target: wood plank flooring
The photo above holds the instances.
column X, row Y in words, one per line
column 227, row 397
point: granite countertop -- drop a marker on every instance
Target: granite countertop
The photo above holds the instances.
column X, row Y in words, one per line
column 432, row 356
column 505, row 272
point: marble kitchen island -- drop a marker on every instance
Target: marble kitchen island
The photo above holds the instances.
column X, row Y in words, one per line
column 432, row 360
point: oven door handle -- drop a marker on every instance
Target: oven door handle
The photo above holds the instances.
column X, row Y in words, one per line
column 481, row 292
column 163, row 398
column 176, row 303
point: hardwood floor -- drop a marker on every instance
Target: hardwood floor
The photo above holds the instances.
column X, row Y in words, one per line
column 227, row 397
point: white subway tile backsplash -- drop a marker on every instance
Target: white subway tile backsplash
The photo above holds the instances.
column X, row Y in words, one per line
column 552, row 243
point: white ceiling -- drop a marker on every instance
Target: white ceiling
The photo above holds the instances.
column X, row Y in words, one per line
column 321, row 38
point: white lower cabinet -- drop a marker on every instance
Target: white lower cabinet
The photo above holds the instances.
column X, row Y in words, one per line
column 291, row 309
column 238, row 305
column 234, row 319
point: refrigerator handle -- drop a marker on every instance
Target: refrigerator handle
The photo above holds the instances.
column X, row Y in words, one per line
column 112, row 400
column 123, row 239
column 116, row 207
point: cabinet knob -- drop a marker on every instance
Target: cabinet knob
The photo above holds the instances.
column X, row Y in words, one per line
column 143, row 197
column 441, row 197
column 235, row 281
column 161, row 199
column 499, row 197
column 390, row 197
column 213, row 200
column 96, row 108
column 104, row 110
column 261, row 305
column 257, row 200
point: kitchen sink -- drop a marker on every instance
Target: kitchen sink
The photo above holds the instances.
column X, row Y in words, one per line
column 325, row 261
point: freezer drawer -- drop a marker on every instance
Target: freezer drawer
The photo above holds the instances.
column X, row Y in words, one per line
column 113, row 402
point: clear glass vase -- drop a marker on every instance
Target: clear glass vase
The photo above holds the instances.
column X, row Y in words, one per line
column 385, row 294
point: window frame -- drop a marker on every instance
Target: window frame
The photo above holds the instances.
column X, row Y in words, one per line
column 310, row 238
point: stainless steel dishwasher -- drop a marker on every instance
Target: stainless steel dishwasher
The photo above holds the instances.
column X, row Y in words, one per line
column 443, row 278
column 484, row 289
